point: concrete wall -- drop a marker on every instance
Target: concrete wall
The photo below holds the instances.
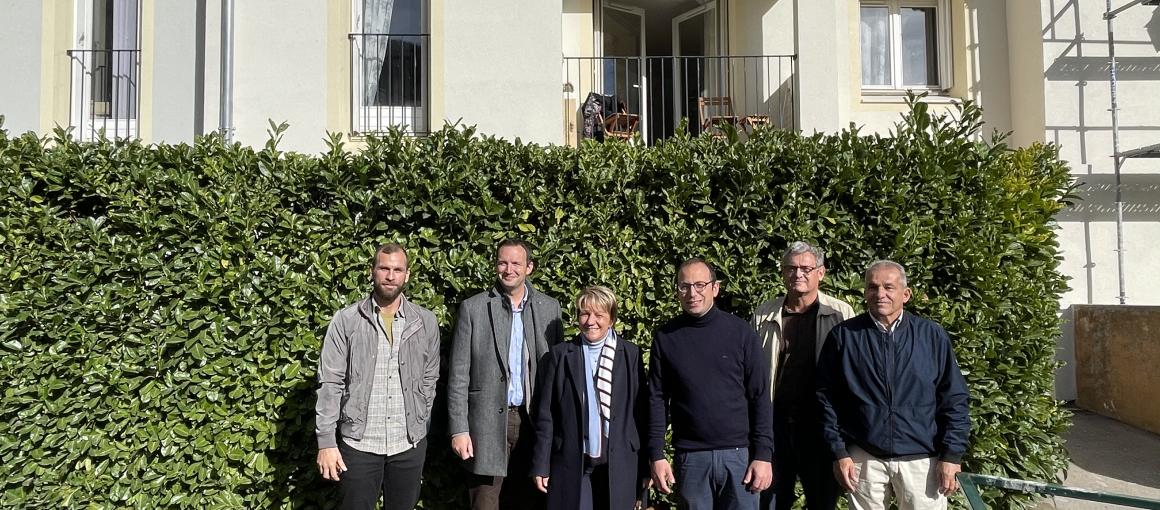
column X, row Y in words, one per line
column 824, row 63
column 577, row 29
column 178, row 65
column 762, row 27
column 1117, row 353
column 20, row 36
column 1076, row 110
column 1025, row 54
column 501, row 68
column 280, row 71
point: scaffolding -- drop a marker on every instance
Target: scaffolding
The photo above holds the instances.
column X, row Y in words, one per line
column 1151, row 151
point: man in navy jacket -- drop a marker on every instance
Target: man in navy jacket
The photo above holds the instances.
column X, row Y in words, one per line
column 894, row 402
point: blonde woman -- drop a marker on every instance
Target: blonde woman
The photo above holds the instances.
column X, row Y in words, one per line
column 589, row 414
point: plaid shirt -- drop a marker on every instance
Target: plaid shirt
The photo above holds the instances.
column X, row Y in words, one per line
column 386, row 430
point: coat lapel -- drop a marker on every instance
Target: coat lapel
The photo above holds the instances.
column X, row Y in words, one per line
column 576, row 374
column 620, row 378
column 501, row 328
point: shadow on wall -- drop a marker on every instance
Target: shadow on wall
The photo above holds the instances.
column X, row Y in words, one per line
column 1141, row 194
column 1099, row 68
column 1153, row 28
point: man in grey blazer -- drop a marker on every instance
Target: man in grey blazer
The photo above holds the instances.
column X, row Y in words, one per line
column 500, row 336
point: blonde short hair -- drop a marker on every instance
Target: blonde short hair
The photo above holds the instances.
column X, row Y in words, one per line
column 599, row 297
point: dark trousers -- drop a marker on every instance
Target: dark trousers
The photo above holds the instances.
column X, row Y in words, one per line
column 800, row 454
column 396, row 476
column 594, row 488
column 515, row 490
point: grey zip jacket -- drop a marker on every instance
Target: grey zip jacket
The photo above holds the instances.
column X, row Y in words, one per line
column 347, row 365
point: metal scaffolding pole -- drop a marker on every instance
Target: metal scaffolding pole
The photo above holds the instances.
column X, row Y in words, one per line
column 1110, row 15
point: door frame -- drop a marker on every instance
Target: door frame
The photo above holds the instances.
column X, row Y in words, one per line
column 642, row 78
column 714, row 47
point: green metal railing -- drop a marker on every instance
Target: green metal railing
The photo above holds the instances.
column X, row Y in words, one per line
column 971, row 483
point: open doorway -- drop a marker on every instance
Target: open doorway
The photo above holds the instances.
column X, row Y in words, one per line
column 658, row 64
column 653, row 58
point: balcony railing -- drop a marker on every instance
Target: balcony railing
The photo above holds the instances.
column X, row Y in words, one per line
column 390, row 82
column 106, row 95
column 625, row 97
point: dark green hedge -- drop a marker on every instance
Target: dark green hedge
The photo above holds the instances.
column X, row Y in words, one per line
column 161, row 306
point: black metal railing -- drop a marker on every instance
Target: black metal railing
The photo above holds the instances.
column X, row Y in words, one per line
column 649, row 97
column 390, row 82
column 106, row 95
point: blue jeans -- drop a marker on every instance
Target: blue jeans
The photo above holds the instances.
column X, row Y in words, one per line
column 712, row 480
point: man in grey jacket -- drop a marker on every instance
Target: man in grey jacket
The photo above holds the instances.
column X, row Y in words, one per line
column 377, row 375
column 793, row 328
column 500, row 336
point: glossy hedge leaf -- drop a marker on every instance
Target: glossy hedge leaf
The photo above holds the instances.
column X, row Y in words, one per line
column 161, row 306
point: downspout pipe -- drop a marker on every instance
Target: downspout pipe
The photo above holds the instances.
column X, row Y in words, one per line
column 226, row 106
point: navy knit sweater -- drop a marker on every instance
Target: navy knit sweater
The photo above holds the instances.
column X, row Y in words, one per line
column 708, row 373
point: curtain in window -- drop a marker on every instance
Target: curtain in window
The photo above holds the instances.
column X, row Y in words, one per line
column 113, row 69
column 874, row 38
column 377, row 23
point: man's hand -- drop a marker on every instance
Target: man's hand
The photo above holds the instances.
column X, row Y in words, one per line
column 662, row 476
column 541, row 483
column 759, row 476
column 330, row 463
column 461, row 445
column 947, row 483
column 846, row 474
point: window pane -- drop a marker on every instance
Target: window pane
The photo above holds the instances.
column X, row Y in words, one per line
column 113, row 88
column 919, row 46
column 875, row 41
column 392, row 16
column 393, row 52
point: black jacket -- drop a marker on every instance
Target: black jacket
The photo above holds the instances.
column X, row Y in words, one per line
column 560, row 417
column 893, row 394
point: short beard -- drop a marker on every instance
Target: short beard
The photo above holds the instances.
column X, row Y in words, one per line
column 384, row 296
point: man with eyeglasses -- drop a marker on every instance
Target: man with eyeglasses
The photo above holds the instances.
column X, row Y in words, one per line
column 894, row 402
column 792, row 328
column 707, row 372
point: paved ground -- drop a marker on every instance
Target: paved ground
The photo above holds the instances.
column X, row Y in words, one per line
column 1109, row 456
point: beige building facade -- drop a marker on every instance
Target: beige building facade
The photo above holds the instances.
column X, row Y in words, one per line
column 558, row 71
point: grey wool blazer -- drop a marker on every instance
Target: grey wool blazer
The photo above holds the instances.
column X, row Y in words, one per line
column 478, row 370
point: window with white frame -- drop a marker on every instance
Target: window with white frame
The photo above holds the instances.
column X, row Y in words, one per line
column 390, row 55
column 106, row 69
column 905, row 45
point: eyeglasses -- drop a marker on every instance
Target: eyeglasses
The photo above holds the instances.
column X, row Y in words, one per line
column 685, row 288
column 805, row 270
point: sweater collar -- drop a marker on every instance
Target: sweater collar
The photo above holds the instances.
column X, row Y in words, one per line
column 708, row 317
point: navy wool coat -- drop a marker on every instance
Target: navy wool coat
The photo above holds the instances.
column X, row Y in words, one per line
column 561, row 418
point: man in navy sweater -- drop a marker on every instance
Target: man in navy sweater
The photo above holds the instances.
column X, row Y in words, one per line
column 894, row 403
column 707, row 371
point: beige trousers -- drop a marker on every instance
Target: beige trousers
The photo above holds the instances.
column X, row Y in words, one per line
column 912, row 481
